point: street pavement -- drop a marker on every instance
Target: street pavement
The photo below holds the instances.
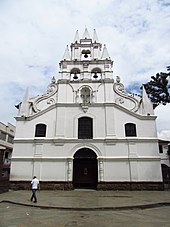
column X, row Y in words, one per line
column 85, row 208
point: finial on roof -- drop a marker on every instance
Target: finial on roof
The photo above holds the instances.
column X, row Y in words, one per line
column 146, row 103
column 24, row 106
column 95, row 38
column 118, row 79
column 53, row 80
column 66, row 54
column 76, row 38
column 105, row 54
column 86, row 34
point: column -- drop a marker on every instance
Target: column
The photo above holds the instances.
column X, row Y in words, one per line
column 69, row 169
column 101, row 170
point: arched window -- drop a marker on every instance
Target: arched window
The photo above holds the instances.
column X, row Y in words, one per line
column 85, row 128
column 130, row 129
column 40, row 130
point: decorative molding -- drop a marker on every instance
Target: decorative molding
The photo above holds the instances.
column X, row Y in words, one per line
column 40, row 113
column 84, row 107
column 51, row 90
column 36, row 158
column 126, row 158
column 51, row 101
column 119, row 89
column 101, row 159
column 62, row 141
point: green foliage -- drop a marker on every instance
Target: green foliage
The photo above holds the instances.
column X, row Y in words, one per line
column 158, row 88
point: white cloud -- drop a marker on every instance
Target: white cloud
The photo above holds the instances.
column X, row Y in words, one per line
column 164, row 135
column 163, row 119
column 34, row 35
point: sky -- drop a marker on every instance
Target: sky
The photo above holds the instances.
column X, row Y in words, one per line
column 34, row 35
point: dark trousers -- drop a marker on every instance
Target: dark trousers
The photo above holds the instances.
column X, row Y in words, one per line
column 34, row 195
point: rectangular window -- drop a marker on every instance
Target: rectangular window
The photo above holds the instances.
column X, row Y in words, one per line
column 40, row 130
column 6, row 155
column 85, row 128
column 168, row 151
column 10, row 139
column 3, row 135
column 130, row 129
column 160, row 149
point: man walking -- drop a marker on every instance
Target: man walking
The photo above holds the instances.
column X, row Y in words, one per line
column 34, row 185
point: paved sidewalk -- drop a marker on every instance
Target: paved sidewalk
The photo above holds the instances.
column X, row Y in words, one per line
column 89, row 199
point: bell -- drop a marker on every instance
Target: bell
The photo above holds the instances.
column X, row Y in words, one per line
column 75, row 77
column 95, row 75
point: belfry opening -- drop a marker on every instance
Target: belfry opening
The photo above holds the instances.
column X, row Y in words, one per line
column 85, row 169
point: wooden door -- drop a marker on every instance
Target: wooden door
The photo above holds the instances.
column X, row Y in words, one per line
column 85, row 172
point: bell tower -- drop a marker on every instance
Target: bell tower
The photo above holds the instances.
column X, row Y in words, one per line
column 86, row 59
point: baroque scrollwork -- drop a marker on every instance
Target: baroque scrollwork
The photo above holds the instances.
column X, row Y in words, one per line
column 119, row 90
column 119, row 101
column 50, row 101
column 51, row 90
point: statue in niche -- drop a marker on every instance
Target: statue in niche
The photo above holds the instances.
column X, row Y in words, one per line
column 85, row 95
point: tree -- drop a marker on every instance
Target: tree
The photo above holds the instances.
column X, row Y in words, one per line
column 158, row 88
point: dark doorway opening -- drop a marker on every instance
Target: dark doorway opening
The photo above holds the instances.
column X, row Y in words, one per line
column 85, row 170
column 165, row 173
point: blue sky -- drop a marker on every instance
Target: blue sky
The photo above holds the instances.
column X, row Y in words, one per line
column 34, row 35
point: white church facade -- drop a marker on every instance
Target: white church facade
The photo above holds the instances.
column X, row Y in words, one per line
column 86, row 131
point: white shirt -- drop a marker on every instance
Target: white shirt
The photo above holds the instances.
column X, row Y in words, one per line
column 35, row 183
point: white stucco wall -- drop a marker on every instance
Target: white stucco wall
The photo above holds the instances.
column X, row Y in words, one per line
column 49, row 161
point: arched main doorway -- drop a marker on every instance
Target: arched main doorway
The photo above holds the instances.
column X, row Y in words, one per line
column 85, row 171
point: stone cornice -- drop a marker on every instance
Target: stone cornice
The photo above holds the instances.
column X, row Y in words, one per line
column 91, row 61
column 141, row 117
column 66, row 81
column 62, row 141
column 103, row 158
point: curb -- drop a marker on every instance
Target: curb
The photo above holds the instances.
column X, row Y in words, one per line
column 134, row 207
